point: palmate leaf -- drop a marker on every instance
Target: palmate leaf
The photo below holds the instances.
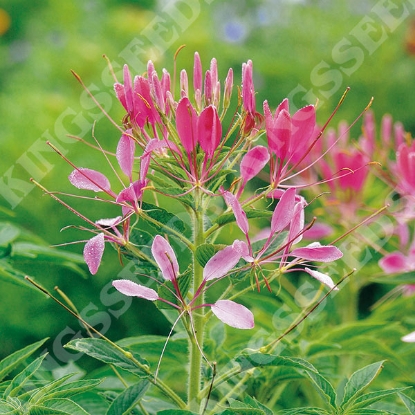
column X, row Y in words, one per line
column 38, row 394
column 255, row 404
column 369, row 411
column 105, row 352
column 57, row 389
column 175, row 412
column 242, row 408
column 12, row 361
column 305, row 411
column 128, row 399
column 248, row 361
column 58, row 407
column 164, row 220
column 325, row 387
column 372, row 397
column 359, row 381
column 23, row 377
column 7, row 408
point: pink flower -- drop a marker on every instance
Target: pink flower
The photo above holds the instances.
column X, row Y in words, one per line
column 405, row 168
column 288, row 214
column 229, row 312
column 288, row 137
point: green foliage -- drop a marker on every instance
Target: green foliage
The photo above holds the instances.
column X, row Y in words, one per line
column 28, row 394
column 18, row 245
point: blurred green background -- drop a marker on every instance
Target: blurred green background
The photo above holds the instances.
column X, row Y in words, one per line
column 314, row 47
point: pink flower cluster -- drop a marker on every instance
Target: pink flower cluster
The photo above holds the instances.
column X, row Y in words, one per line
column 185, row 141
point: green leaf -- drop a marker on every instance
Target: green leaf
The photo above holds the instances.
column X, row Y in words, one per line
column 20, row 380
column 372, row 397
column 12, row 361
column 368, row 412
column 105, row 352
column 128, row 399
column 23, row 250
column 8, row 233
column 38, row 394
column 206, row 251
column 166, row 221
column 175, row 412
column 248, row 361
column 304, row 411
column 408, row 402
column 13, row 276
column 68, row 389
column 250, row 214
column 6, row 408
column 359, row 381
column 58, row 407
column 255, row 404
column 242, row 411
column 325, row 387
column 167, row 290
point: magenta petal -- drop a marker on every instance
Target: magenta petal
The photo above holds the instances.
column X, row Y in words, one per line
column 110, row 222
column 303, row 124
column 233, row 314
column 240, row 215
column 323, row 278
column 186, row 122
column 88, row 179
column 297, row 223
column 253, row 162
column 221, row 263
column 93, row 252
column 165, row 257
column 125, row 154
column 209, row 130
column 394, row 262
column 317, row 252
column 132, row 289
column 284, row 211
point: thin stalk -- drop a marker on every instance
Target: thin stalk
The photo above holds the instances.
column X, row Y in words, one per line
column 196, row 341
column 159, row 384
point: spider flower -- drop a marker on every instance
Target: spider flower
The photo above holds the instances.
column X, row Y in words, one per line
column 229, row 312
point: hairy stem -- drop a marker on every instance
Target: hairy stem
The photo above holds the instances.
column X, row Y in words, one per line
column 196, row 341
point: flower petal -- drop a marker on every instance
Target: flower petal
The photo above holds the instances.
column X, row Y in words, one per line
column 253, row 162
column 132, row 289
column 239, row 213
column 93, row 252
column 209, row 130
column 409, row 338
column 165, row 257
column 394, row 262
column 323, row 278
column 233, row 314
column 221, row 263
column 186, row 122
column 317, row 252
column 284, row 211
column 125, row 153
column 88, row 179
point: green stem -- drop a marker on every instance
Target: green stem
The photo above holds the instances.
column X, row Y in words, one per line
column 196, row 341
